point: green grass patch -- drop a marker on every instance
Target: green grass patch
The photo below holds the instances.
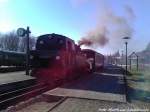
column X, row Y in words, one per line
column 139, row 79
column 139, row 82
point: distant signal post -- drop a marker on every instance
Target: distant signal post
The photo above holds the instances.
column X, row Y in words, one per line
column 25, row 32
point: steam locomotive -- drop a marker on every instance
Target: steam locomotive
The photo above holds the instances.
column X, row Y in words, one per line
column 58, row 59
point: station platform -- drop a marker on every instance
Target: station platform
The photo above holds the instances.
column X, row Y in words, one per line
column 14, row 80
column 96, row 92
column 97, row 86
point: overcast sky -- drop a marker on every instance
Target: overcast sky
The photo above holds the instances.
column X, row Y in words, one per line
column 74, row 18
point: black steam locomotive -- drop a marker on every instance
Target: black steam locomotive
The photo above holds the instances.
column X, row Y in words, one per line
column 57, row 59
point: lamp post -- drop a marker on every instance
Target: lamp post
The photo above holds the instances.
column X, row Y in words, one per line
column 126, row 88
column 126, row 44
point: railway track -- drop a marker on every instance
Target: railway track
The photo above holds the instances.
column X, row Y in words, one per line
column 14, row 97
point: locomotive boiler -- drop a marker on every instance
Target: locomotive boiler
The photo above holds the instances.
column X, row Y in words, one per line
column 57, row 59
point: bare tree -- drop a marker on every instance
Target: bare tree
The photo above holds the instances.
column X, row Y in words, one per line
column 9, row 41
column 1, row 41
column 22, row 45
column 32, row 42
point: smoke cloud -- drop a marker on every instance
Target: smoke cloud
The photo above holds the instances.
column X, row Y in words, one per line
column 110, row 28
column 96, row 37
column 130, row 12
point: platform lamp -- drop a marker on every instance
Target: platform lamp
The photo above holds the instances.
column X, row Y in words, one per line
column 126, row 44
column 126, row 39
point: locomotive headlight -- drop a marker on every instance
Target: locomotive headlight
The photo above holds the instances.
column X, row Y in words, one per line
column 57, row 57
column 31, row 57
column 41, row 42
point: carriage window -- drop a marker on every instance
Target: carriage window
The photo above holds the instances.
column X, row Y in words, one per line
column 41, row 42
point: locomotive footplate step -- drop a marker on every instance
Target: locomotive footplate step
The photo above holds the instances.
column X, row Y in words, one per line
column 93, row 86
column 15, row 80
